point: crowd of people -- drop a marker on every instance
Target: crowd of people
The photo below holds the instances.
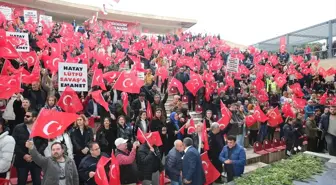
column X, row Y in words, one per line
column 233, row 105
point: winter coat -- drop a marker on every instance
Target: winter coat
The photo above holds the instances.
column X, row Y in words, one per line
column 51, row 169
column 238, row 158
column 21, row 136
column 148, row 162
column 125, row 132
column 7, row 145
column 173, row 165
column 79, row 140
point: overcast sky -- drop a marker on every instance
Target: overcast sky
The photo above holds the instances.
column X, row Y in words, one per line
column 240, row 21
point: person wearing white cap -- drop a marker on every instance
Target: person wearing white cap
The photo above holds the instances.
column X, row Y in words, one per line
column 126, row 160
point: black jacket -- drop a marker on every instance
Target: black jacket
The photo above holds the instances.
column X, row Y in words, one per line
column 173, row 165
column 21, row 136
column 80, row 141
column 136, row 106
column 148, row 162
column 19, row 112
column 289, row 133
column 37, row 98
column 89, row 164
column 125, row 132
column 128, row 173
column 106, row 138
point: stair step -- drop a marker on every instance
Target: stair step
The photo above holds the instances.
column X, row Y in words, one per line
column 252, row 167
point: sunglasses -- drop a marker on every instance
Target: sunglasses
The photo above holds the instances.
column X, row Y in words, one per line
column 27, row 116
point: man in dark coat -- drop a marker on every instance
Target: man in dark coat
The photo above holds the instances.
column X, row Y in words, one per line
column 138, row 105
column 216, row 143
column 88, row 165
column 23, row 160
column 149, row 164
column 192, row 169
column 173, row 166
column 328, row 126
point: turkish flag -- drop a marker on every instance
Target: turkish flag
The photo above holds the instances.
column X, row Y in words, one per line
column 111, row 76
column 98, row 97
column 149, row 111
column 153, row 138
column 259, row 83
column 208, row 77
column 299, row 103
column 195, row 83
column 7, row 68
column 50, row 123
column 4, row 181
column 128, row 82
column 162, row 72
column 229, row 81
column 282, row 44
column 191, row 129
column 26, row 77
column 69, row 101
column 114, row 171
column 211, row 173
column 51, row 63
column 162, row 178
column 287, row 110
column 9, row 85
column 176, row 83
column 215, row 64
column 8, row 51
column 262, row 95
column 280, row 79
column 323, row 99
column 100, row 176
column 205, row 137
column 250, row 120
column 296, row 88
column 226, row 116
column 274, row 117
column 124, row 98
column 98, row 80
column 259, row 114
column 30, row 58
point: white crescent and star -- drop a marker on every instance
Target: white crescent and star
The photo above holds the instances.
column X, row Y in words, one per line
column 112, row 170
column 126, row 80
column 46, row 127
column 207, row 166
column 65, row 97
column 8, row 50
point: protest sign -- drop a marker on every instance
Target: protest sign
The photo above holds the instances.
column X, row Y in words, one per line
column 72, row 75
column 24, row 47
column 47, row 19
column 7, row 12
column 232, row 65
column 27, row 14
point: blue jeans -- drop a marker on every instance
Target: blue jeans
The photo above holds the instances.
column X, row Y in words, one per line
column 240, row 139
column 176, row 182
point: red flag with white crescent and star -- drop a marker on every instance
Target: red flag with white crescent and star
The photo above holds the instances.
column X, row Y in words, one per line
column 50, row 123
column 153, row 138
column 128, row 82
column 9, row 85
column 98, row 97
column 211, row 173
column 100, row 176
column 114, row 171
column 176, row 83
column 124, row 98
column 149, row 111
column 98, row 80
column 69, row 101
column 282, row 44
column 274, row 117
column 195, row 83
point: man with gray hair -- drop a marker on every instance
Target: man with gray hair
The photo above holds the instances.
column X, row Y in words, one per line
column 173, row 164
column 216, row 143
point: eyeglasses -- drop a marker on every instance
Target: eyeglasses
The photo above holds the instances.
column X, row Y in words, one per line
column 95, row 149
column 27, row 116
